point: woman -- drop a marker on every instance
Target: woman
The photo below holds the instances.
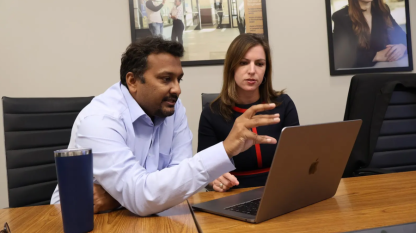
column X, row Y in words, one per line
column 366, row 33
column 247, row 81
column 178, row 27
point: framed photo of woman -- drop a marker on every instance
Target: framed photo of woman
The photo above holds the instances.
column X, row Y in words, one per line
column 206, row 28
column 368, row 36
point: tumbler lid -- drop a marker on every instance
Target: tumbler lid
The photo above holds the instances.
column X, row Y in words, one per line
column 72, row 152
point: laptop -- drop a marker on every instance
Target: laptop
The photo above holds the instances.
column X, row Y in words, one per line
column 307, row 167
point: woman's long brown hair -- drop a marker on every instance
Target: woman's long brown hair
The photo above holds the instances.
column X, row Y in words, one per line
column 360, row 25
column 235, row 53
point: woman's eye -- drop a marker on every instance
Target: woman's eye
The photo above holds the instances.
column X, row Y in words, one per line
column 243, row 63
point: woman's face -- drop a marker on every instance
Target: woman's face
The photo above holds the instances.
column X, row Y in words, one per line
column 250, row 73
column 177, row 2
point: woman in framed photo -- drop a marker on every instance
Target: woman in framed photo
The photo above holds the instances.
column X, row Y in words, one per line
column 366, row 33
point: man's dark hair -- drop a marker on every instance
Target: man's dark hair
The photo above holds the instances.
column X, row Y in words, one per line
column 135, row 58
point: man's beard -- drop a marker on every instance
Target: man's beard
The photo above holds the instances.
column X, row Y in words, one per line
column 162, row 112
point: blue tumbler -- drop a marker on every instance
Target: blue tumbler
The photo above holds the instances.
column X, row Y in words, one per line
column 75, row 181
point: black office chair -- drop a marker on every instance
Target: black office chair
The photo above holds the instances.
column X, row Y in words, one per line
column 208, row 98
column 387, row 139
column 33, row 129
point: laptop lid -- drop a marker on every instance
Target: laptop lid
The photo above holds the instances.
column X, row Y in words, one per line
column 307, row 166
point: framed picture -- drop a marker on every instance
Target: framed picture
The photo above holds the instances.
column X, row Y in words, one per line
column 205, row 27
column 367, row 36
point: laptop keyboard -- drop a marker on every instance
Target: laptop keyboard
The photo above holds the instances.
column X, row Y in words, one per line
column 249, row 207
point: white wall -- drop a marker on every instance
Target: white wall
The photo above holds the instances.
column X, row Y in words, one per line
column 72, row 48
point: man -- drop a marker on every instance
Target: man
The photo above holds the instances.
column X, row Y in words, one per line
column 140, row 138
column 218, row 9
column 154, row 17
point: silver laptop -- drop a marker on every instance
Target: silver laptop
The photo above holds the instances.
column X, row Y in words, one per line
column 307, row 167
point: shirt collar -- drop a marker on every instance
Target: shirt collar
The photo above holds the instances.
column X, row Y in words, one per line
column 135, row 110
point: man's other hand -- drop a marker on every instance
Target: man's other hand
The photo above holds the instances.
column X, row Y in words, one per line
column 103, row 201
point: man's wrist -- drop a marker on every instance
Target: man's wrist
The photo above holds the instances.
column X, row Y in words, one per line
column 227, row 151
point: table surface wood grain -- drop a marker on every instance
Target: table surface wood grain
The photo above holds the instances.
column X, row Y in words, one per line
column 359, row 203
column 47, row 218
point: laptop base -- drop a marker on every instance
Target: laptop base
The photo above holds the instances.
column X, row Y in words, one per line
column 218, row 206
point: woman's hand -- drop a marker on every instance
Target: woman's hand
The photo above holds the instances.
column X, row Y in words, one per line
column 382, row 55
column 396, row 52
column 224, row 182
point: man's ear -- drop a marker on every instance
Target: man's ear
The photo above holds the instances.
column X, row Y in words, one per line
column 131, row 82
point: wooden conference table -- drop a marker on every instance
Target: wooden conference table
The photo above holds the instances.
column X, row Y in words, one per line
column 363, row 202
column 47, row 218
column 360, row 203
